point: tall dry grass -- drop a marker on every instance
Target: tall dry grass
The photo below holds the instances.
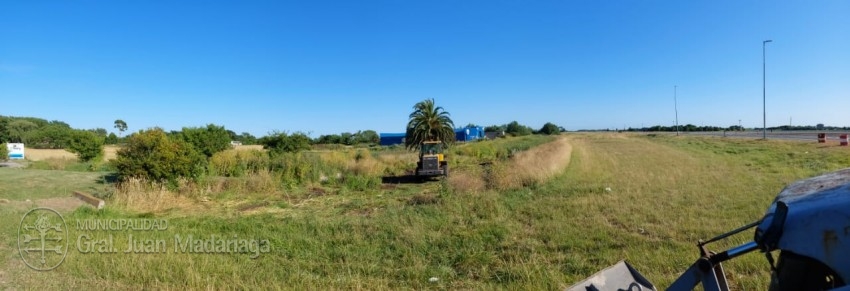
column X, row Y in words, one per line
column 467, row 181
column 253, row 147
column 306, row 168
column 144, row 196
column 263, row 182
column 109, row 153
column 235, row 163
column 540, row 163
column 44, row 154
column 398, row 163
column 524, row 168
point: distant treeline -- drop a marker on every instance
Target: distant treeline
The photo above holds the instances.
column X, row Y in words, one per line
column 43, row 134
column 694, row 128
column 514, row 128
column 37, row 132
column 691, row 127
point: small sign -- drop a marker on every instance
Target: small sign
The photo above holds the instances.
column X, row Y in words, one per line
column 16, row 151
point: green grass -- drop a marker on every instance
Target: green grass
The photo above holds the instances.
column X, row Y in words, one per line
column 22, row 184
column 669, row 192
column 666, row 193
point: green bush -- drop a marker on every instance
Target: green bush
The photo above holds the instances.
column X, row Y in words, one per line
column 111, row 138
column 154, row 156
column 281, row 142
column 516, row 129
column 86, row 144
column 51, row 136
column 550, row 128
column 4, row 152
column 207, row 140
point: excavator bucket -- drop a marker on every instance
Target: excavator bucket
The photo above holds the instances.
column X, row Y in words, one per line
column 620, row 276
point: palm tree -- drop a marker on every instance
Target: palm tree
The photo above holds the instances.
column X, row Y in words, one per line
column 429, row 123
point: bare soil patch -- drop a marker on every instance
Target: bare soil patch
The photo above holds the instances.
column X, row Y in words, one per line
column 60, row 204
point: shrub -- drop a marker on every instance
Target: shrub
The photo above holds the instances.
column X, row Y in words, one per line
column 207, row 140
column 550, row 128
column 516, row 129
column 154, row 156
column 4, row 152
column 111, row 138
column 86, row 144
column 281, row 142
column 51, row 136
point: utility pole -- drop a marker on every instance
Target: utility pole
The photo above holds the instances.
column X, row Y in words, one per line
column 763, row 89
column 676, row 109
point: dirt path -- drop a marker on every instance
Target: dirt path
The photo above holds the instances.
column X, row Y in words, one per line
column 60, row 204
column 11, row 165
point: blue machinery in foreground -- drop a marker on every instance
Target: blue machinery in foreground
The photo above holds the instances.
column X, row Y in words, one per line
column 808, row 222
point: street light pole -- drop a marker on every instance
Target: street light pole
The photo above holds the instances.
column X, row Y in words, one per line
column 763, row 89
column 676, row 109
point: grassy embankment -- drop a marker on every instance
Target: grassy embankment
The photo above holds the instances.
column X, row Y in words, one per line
column 484, row 228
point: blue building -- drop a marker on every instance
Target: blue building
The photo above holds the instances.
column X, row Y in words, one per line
column 469, row 133
column 461, row 135
column 388, row 139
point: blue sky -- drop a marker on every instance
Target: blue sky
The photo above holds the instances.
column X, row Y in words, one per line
column 334, row 66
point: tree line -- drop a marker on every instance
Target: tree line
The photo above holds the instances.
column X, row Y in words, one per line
column 165, row 156
column 514, row 128
column 694, row 128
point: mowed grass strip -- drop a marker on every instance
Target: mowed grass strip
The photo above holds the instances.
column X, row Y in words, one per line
column 22, row 184
column 650, row 199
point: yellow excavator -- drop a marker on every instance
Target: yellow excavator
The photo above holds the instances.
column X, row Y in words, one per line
column 432, row 162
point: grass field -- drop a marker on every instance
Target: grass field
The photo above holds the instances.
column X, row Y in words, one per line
column 646, row 199
column 22, row 184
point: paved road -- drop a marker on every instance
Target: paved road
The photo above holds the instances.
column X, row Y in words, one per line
column 805, row 135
